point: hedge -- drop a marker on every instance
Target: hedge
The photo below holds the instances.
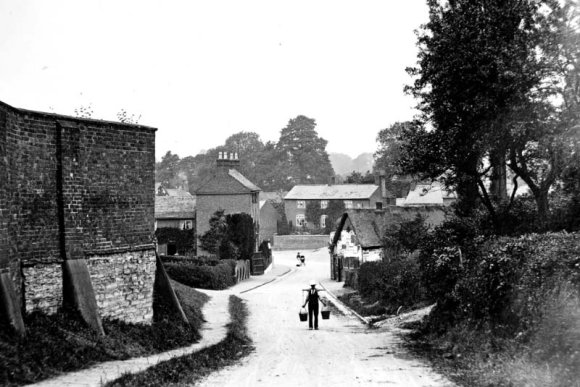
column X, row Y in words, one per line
column 395, row 283
column 509, row 280
column 217, row 277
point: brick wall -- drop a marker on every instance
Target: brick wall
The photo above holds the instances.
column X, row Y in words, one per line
column 207, row 205
column 268, row 222
column 71, row 187
column 300, row 242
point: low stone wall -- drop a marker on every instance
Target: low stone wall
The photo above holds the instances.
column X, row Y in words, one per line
column 123, row 285
column 42, row 287
column 300, row 242
column 122, row 282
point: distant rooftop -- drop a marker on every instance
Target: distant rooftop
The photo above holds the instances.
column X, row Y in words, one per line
column 232, row 182
column 329, row 192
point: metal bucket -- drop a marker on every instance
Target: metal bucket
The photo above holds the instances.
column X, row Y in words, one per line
column 325, row 312
column 303, row 315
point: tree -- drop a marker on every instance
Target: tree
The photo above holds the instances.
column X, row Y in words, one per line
column 303, row 153
column 213, row 238
column 229, row 236
column 241, row 234
column 481, row 65
column 388, row 153
column 250, row 147
column 358, row 178
column 544, row 137
column 166, row 170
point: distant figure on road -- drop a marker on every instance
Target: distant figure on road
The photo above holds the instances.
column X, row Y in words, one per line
column 301, row 259
column 312, row 301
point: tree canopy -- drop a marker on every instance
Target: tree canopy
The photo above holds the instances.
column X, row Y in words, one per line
column 299, row 157
column 487, row 78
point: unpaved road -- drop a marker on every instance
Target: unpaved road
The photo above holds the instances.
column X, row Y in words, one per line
column 343, row 352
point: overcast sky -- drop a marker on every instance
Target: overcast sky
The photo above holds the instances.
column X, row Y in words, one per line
column 200, row 71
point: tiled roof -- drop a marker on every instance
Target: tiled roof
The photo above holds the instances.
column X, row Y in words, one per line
column 338, row 191
column 172, row 191
column 230, row 182
column 370, row 225
column 175, row 207
column 428, row 194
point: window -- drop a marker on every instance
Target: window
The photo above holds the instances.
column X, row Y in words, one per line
column 254, row 198
column 187, row 224
column 324, row 204
column 301, row 204
column 323, row 221
column 379, row 205
column 348, row 204
column 358, row 205
column 300, row 220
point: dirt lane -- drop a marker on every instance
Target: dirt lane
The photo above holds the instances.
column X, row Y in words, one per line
column 343, row 352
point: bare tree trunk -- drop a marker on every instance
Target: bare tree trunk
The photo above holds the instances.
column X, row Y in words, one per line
column 498, row 187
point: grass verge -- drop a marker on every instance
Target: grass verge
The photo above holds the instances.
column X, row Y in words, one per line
column 62, row 343
column 192, row 368
column 483, row 355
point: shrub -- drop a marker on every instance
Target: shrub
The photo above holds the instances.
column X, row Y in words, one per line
column 218, row 277
column 440, row 258
column 229, row 236
column 184, row 239
column 395, row 283
column 509, row 279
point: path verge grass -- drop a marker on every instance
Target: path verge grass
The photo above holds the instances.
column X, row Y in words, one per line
column 190, row 369
column 63, row 343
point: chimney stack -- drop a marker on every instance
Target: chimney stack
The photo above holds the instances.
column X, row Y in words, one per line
column 381, row 181
column 227, row 161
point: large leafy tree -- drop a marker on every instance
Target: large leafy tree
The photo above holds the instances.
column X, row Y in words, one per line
column 480, row 78
column 388, row 153
column 543, row 137
column 303, row 153
column 166, row 170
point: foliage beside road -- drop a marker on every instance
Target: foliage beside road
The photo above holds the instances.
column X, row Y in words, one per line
column 192, row 368
column 507, row 307
column 63, row 343
column 205, row 274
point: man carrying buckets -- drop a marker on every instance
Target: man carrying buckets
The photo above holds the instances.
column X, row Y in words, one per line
column 312, row 300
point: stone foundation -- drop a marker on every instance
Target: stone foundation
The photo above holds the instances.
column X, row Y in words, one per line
column 123, row 285
column 43, row 287
column 122, row 282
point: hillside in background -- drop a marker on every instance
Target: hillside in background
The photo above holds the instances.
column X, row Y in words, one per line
column 344, row 164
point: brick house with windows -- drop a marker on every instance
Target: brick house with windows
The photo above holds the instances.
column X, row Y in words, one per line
column 227, row 190
column 353, row 196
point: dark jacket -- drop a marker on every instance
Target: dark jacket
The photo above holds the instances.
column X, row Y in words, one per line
column 312, row 298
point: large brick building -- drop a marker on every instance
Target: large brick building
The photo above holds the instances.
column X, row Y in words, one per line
column 226, row 190
column 76, row 214
column 351, row 195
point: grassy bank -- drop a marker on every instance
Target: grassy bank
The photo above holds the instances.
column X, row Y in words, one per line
column 62, row 343
column 192, row 368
